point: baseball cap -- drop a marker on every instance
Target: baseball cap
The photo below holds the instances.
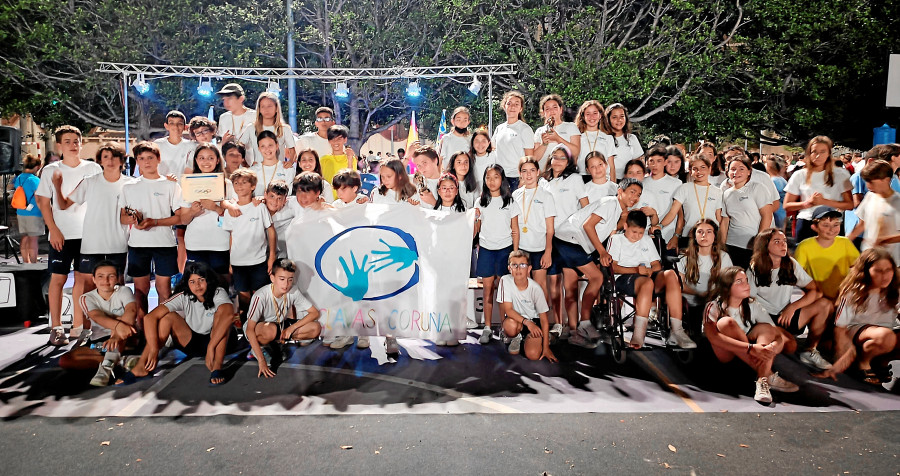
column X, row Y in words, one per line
column 232, row 88
column 826, row 212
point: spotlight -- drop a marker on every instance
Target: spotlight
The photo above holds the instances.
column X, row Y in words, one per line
column 413, row 90
column 341, row 91
column 273, row 87
column 475, row 87
column 140, row 84
column 205, row 89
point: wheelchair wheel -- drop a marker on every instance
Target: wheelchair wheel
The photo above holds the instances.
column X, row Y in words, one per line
column 685, row 356
column 617, row 346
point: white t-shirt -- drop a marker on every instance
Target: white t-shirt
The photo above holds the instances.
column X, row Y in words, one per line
column 510, row 142
column 775, row 297
column 265, row 174
column 248, row 138
column 231, row 124
column 624, row 150
column 496, row 226
column 103, row 231
column 530, row 302
column 594, row 191
column 742, row 207
column 657, row 194
column 174, row 158
column 704, row 265
column 451, row 144
column 198, row 318
column 594, row 141
column 249, row 234
column 533, row 207
column 71, row 220
column 157, row 199
column 756, row 176
column 115, row 306
column 265, row 308
column 630, row 254
column 566, row 130
column 797, row 185
column 481, row 165
column 880, row 217
column 391, row 197
column 314, row 141
column 717, row 180
column 206, row 232
column 567, row 194
column 758, row 315
column 874, row 315
column 338, row 203
column 572, row 230
column 432, row 185
column 694, row 211
column 281, row 220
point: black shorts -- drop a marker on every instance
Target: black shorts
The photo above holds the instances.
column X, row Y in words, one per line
column 89, row 261
column 794, row 326
column 217, row 260
column 61, row 261
column 250, row 278
column 569, row 255
column 199, row 343
column 625, row 283
column 535, row 259
column 163, row 258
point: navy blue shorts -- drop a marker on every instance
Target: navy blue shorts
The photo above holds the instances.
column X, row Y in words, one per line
column 492, row 262
column 569, row 255
column 164, row 259
column 88, row 262
column 535, row 259
column 61, row 261
column 625, row 283
column 217, row 260
column 250, row 278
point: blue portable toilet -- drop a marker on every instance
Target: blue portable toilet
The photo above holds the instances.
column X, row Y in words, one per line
column 884, row 135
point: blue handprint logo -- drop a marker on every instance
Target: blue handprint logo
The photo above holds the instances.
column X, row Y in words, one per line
column 357, row 273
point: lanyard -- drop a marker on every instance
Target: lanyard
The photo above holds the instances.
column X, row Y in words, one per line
column 528, row 211
column 592, row 144
column 280, row 309
column 705, row 201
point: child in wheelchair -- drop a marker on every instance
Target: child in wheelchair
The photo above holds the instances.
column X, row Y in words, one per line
column 636, row 261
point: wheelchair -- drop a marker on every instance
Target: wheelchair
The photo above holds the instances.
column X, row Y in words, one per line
column 614, row 314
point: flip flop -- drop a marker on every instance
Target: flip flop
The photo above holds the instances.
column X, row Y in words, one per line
column 216, row 374
column 129, row 378
column 870, row 377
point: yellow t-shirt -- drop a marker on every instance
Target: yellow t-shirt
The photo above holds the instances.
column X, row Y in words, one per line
column 331, row 165
column 827, row 266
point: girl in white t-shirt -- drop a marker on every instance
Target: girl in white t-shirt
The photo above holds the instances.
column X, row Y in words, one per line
column 866, row 325
column 600, row 186
column 514, row 138
column 716, row 161
column 625, row 145
column 590, row 121
column 746, row 211
column 695, row 201
column 554, row 132
column 774, row 276
column 395, row 185
column 497, row 227
column 699, row 267
column 738, row 327
column 819, row 183
column 308, row 161
column 675, row 163
column 483, row 156
column 460, row 165
column 268, row 117
column 270, row 167
column 535, row 206
column 449, row 199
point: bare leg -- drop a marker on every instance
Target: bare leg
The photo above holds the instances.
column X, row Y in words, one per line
column 817, row 317
column 570, row 288
column 554, row 298
column 873, row 342
column 669, row 280
column 488, row 300
column 54, row 296
column 83, row 283
column 163, row 287
column 141, row 291
column 595, row 281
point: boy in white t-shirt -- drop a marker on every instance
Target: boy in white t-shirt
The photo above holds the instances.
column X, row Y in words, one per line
column 636, row 261
column 151, row 205
column 65, row 229
column 428, row 173
column 879, row 211
column 458, row 139
column 276, row 198
column 525, row 310
column 346, row 185
column 232, row 122
column 253, row 240
column 279, row 312
column 174, row 150
column 110, row 306
column 318, row 140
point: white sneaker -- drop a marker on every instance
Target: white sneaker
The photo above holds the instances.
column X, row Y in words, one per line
column 781, row 385
column 327, row 340
column 680, row 338
column 515, row 345
column 103, row 376
column 362, row 342
column 590, row 332
column 341, row 341
column 450, row 343
column 557, row 330
column 762, row 391
column 471, row 324
column 485, row 338
column 813, row 358
column 391, row 346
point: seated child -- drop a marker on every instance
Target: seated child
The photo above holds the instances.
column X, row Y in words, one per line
column 525, row 309
column 635, row 259
column 198, row 318
column 866, row 329
column 275, row 315
column 827, row 257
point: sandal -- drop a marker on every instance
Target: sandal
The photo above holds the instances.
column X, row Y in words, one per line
column 129, row 378
column 216, row 375
column 870, row 376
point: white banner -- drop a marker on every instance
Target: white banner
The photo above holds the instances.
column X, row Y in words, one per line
column 395, row 270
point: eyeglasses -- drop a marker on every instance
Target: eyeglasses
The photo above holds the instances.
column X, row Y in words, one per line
column 203, row 131
column 448, row 188
column 559, row 157
column 324, row 119
column 518, row 265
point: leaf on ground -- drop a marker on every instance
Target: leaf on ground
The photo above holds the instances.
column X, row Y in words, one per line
column 377, row 452
column 672, row 449
column 743, row 445
column 104, row 443
column 138, row 459
column 101, row 419
column 120, row 424
column 720, row 455
column 210, row 449
column 667, row 465
column 548, row 451
column 346, row 447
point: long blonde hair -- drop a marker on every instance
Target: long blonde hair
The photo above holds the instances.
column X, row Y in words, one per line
column 857, row 285
column 828, row 167
column 279, row 120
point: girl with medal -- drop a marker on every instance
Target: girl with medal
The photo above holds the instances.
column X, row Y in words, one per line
column 590, row 121
column 536, row 210
column 270, row 167
column 695, row 201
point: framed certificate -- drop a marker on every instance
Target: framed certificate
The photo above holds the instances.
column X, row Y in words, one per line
column 196, row 187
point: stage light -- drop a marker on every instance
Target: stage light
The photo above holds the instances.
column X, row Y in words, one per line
column 140, row 84
column 205, row 89
column 475, row 87
column 273, row 87
column 413, row 90
column 341, row 91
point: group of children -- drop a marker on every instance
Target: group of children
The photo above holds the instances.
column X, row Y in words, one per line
column 569, row 203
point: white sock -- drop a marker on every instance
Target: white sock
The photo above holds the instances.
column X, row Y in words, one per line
column 676, row 325
column 584, row 324
column 58, row 328
column 110, row 359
